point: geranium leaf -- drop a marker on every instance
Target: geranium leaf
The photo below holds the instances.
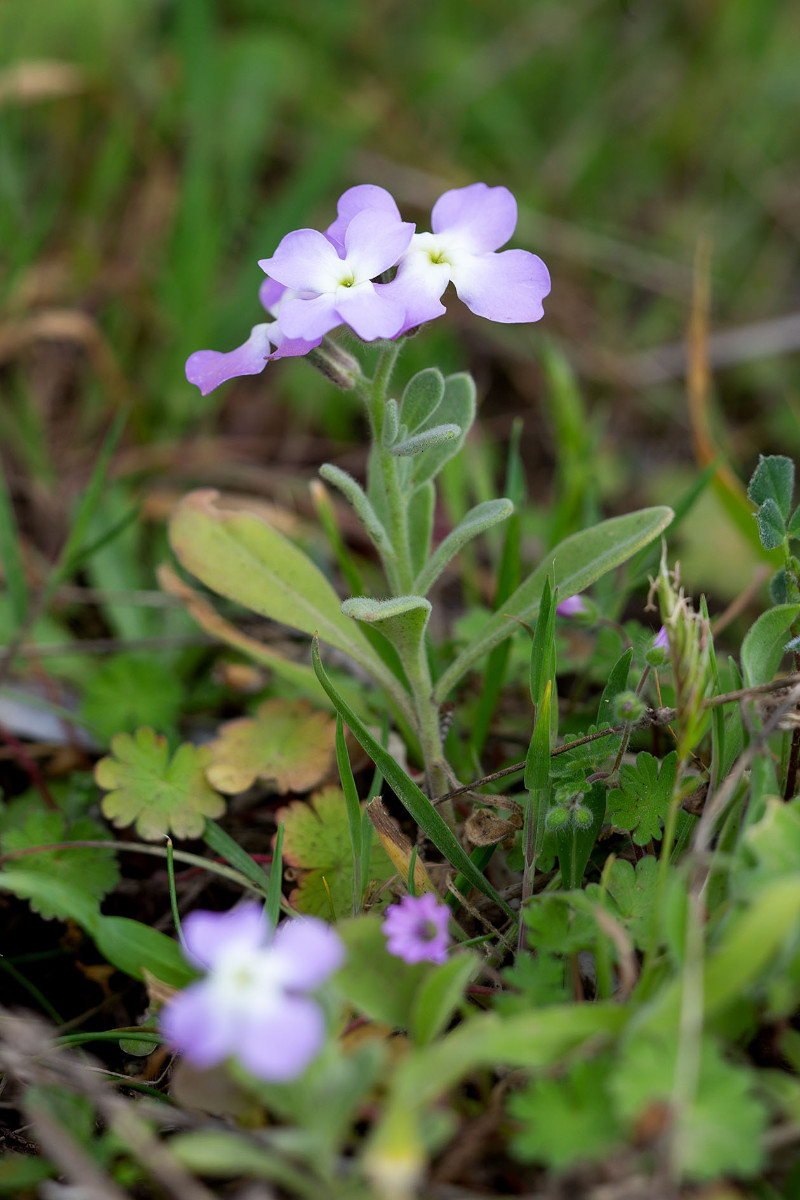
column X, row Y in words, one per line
column 642, row 800
column 128, row 690
column 316, row 844
column 285, row 742
column 92, row 872
column 157, row 792
column 632, row 892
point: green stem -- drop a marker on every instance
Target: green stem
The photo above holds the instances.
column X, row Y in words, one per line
column 400, row 575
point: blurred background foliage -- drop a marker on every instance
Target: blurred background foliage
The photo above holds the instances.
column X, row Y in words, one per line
column 152, row 150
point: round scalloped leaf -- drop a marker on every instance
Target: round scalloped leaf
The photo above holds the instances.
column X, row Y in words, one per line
column 145, row 786
column 286, row 742
column 316, row 844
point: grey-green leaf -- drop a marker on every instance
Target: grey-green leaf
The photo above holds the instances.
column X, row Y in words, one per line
column 574, row 565
column 771, row 525
column 764, row 643
column 402, row 620
column 353, row 491
column 412, row 446
column 478, row 519
column 419, row 515
column 457, row 407
column 773, row 479
column 240, row 556
column 422, row 397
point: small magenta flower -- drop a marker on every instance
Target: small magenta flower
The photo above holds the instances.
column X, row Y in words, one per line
column 337, row 288
column 469, row 226
column 656, row 654
column 416, row 929
column 573, row 606
column 207, row 369
column 252, row 1004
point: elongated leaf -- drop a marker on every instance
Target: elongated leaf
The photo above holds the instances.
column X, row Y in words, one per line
column 224, row 845
column 422, row 397
column 240, row 556
column 574, row 564
column 426, row 440
column 354, row 492
column 10, row 554
column 764, row 643
column 419, row 516
column 439, row 996
column 478, row 519
column 353, row 809
column 457, row 407
column 415, row 800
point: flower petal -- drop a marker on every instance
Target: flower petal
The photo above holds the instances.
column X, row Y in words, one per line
column 354, row 201
column 374, row 241
column 306, row 261
column 207, row 369
column 308, row 319
column 485, row 216
column 270, row 294
column 311, row 950
column 208, row 936
column 506, row 287
column 280, row 1046
column 417, row 286
column 195, row 1028
column 370, row 312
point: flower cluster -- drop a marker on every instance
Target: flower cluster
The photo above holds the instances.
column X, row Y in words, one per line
column 252, row 1004
column 318, row 281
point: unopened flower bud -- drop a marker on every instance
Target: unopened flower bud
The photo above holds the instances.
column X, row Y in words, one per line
column 656, row 656
column 627, row 706
column 581, row 816
column 335, row 363
column 556, row 819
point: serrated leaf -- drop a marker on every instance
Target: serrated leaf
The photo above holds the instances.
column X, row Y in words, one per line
column 553, row 926
column 633, row 892
column 158, row 794
column 285, row 742
column 567, row 1119
column 773, row 479
column 719, row 1131
column 480, row 518
column 771, row 525
column 642, row 800
column 316, row 843
column 128, row 691
column 537, row 980
column 574, row 564
column 240, row 556
column 92, row 872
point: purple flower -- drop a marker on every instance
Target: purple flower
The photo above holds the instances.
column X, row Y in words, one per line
column 469, row 225
column 661, row 640
column 573, row 606
column 416, row 929
column 339, row 289
column 252, row 1004
column 207, row 369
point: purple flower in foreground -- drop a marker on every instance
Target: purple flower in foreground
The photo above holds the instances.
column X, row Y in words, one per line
column 339, row 289
column 207, row 369
column 469, row 226
column 252, row 1004
column 416, row 929
column 573, row 606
